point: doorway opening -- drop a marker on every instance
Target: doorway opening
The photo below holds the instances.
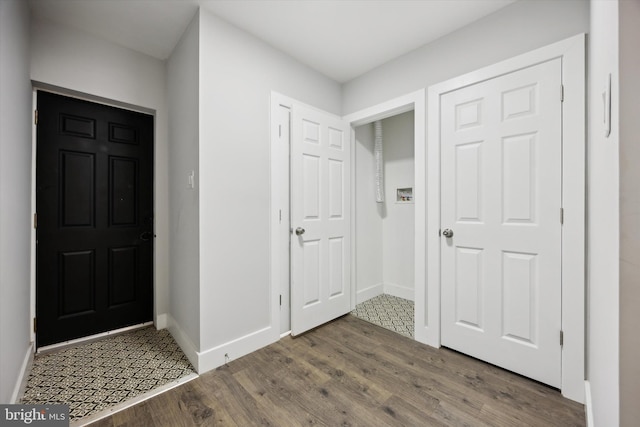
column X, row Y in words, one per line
column 385, row 223
column 94, row 204
column 283, row 114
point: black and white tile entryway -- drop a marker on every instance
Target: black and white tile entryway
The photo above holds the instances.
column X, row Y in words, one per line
column 95, row 376
column 388, row 311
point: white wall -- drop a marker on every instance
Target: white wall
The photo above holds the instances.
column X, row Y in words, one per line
column 602, row 216
column 369, row 214
column 629, row 63
column 385, row 231
column 15, row 196
column 184, row 258
column 237, row 74
column 398, row 226
column 515, row 29
column 81, row 63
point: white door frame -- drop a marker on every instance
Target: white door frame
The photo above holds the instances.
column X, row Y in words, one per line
column 415, row 102
column 279, row 209
column 159, row 319
column 280, row 189
column 572, row 53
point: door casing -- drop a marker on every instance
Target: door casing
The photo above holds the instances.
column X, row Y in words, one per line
column 159, row 320
column 572, row 53
column 280, row 190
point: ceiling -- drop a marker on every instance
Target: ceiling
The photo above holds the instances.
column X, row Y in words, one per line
column 341, row 39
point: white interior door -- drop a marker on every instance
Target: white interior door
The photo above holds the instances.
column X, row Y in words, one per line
column 501, row 153
column 320, row 218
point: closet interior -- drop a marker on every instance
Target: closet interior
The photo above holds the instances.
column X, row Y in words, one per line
column 385, row 223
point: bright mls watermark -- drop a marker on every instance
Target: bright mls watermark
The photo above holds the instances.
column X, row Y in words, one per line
column 34, row 415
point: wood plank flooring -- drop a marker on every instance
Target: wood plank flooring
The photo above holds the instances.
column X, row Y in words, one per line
column 353, row 373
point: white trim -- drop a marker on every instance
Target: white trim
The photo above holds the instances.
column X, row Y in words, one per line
column 162, row 321
column 413, row 101
column 32, row 284
column 183, row 341
column 90, row 338
column 573, row 230
column 278, row 160
column 572, row 53
column 25, row 370
column 588, row 404
column 235, row 349
column 368, row 293
column 70, row 93
column 399, row 105
column 45, row 87
column 278, row 200
column 399, row 291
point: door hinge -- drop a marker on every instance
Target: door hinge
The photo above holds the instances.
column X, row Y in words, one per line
column 35, row 220
column 279, row 131
column 35, row 328
column 561, row 216
column 561, row 93
column 35, row 117
column 280, row 300
column 561, row 338
column 440, row 232
column 280, row 216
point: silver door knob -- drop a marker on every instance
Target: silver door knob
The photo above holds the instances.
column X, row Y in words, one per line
column 299, row 231
column 447, row 232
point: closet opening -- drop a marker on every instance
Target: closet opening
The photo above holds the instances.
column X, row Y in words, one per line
column 384, row 218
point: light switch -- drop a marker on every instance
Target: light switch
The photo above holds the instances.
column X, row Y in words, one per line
column 191, row 183
column 606, row 98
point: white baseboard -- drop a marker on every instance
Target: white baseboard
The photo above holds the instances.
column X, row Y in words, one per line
column 399, row 291
column 224, row 353
column 162, row 321
column 588, row 405
column 21, row 382
column 183, row 341
column 212, row 358
column 370, row 292
column 385, row 288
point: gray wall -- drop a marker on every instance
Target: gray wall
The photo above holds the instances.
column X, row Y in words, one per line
column 629, row 212
column 15, row 194
column 602, row 219
column 88, row 66
column 385, row 231
column 237, row 74
column 398, row 226
column 369, row 215
column 183, row 76
column 515, row 29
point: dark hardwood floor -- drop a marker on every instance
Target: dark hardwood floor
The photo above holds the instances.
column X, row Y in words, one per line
column 352, row 373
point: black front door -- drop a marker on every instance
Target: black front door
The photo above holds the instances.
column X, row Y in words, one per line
column 94, row 203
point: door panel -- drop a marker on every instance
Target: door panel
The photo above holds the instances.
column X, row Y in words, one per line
column 94, row 196
column 320, row 263
column 501, row 196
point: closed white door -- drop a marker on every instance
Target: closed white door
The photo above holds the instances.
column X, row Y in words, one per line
column 501, row 207
column 320, row 218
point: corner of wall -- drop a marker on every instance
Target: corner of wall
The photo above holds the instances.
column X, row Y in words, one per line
column 588, row 406
column 23, row 376
column 183, row 341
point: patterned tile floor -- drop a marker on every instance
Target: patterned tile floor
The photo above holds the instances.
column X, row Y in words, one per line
column 95, row 376
column 390, row 312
